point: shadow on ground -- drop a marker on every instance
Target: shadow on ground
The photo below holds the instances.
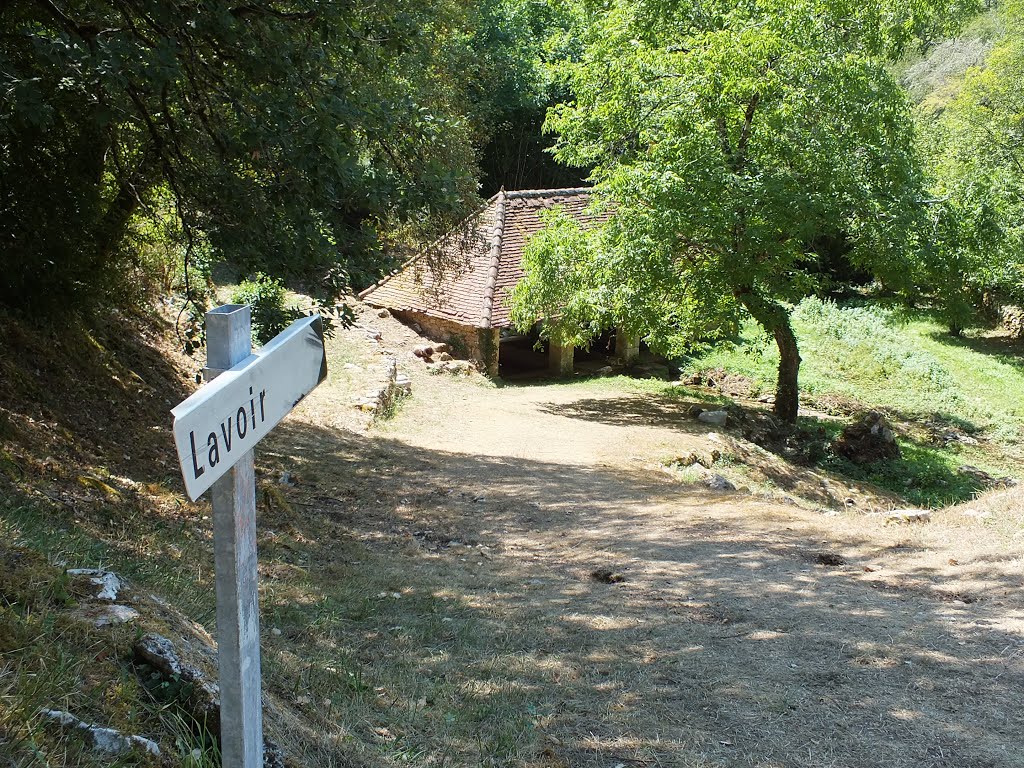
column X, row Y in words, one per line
column 727, row 642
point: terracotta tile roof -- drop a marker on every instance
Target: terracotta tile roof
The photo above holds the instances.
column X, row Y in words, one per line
column 476, row 267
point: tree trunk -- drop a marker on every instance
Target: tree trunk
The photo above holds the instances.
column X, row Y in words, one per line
column 774, row 318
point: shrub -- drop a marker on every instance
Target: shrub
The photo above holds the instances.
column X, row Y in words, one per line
column 266, row 297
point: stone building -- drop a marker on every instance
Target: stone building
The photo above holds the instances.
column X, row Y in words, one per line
column 459, row 291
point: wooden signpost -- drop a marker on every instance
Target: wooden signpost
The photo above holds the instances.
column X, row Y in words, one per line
column 215, row 430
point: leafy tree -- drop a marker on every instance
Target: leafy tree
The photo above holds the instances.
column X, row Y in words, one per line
column 521, row 44
column 974, row 250
column 730, row 139
column 291, row 135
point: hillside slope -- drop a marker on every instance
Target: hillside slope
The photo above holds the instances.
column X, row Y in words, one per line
column 503, row 576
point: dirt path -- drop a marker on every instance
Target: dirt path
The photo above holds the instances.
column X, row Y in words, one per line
column 721, row 629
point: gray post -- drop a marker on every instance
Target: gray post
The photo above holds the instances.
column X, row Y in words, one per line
column 228, row 342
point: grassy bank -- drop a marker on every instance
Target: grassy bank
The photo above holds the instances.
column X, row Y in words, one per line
column 956, row 401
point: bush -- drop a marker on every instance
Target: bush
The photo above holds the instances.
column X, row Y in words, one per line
column 863, row 344
column 266, row 297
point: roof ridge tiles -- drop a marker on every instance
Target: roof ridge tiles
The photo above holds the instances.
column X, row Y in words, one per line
column 529, row 193
column 495, row 258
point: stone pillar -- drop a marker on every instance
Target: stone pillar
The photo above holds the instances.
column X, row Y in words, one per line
column 627, row 346
column 490, row 347
column 560, row 358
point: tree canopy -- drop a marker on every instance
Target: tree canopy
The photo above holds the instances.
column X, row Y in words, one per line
column 730, row 140
column 286, row 134
column 974, row 247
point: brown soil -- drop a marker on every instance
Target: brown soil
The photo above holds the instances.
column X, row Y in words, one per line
column 745, row 628
column 429, row 594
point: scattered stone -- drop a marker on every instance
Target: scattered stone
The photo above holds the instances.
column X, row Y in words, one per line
column 444, row 357
column 109, row 583
column 727, row 383
column 607, row 576
column 977, row 514
column 108, row 615
column 1013, row 320
column 906, row 516
column 453, row 367
column 425, row 352
column 868, row 439
column 287, row 479
column 103, row 739
column 769, row 399
column 605, row 371
column 950, row 436
column 718, row 483
column 705, row 458
column 984, row 479
column 273, row 755
column 694, row 411
column 441, row 349
column 829, row 559
column 379, row 401
column 718, row 418
column 203, row 696
column 383, row 313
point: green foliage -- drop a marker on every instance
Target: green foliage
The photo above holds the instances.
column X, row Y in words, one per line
column 731, row 140
column 925, row 475
column 867, row 346
column 973, row 253
column 516, row 50
column 266, row 297
column 881, row 357
column 290, row 137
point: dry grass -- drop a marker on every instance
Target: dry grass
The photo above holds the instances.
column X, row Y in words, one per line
column 463, row 538
column 428, row 598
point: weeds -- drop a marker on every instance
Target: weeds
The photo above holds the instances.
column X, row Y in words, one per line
column 926, row 381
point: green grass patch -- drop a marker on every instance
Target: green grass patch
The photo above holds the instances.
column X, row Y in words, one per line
column 907, row 364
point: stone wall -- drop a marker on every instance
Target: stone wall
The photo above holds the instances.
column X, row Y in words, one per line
column 464, row 341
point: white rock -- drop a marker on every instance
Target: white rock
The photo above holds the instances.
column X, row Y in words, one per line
column 108, row 582
column 112, row 615
column 718, row 483
column 718, row 418
column 977, row 514
column 908, row 516
column 103, row 739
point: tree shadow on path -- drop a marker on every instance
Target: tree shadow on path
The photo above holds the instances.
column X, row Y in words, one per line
column 727, row 642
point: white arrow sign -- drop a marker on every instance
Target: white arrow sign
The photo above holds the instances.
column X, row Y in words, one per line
column 221, row 422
